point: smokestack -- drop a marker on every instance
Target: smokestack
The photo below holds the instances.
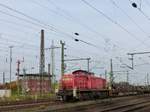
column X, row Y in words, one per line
column 42, row 62
column 42, row 54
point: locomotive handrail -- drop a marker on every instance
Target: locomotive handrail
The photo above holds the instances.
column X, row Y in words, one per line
column 82, row 71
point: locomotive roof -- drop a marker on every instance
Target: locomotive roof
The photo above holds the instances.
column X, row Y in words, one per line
column 82, row 71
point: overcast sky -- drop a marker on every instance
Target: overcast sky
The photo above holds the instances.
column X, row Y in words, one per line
column 112, row 27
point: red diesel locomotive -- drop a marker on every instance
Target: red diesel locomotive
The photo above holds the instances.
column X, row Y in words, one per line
column 82, row 85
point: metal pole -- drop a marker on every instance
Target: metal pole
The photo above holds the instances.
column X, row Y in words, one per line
column 62, row 58
column 147, row 79
column 52, row 65
column 132, row 61
column 18, row 70
column 128, row 82
column 111, row 79
column 106, row 74
column 111, row 75
column 49, row 74
column 10, row 65
column 128, row 77
column 88, row 64
column 24, row 84
column 52, row 60
column 4, row 78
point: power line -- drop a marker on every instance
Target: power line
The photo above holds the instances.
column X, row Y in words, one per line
column 131, row 19
column 87, row 52
column 84, row 25
column 19, row 18
column 18, row 42
column 41, row 23
column 68, row 35
column 47, row 8
column 22, row 19
column 25, row 26
column 25, row 15
column 87, row 27
column 113, row 21
column 138, row 26
column 139, row 9
column 17, row 52
column 105, row 38
column 15, row 23
column 20, row 36
column 56, row 12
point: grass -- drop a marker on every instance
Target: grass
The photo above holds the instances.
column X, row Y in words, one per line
column 21, row 97
column 17, row 98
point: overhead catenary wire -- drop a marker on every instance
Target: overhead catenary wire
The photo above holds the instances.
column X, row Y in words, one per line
column 41, row 23
column 80, row 40
column 18, row 24
column 47, row 8
column 22, row 19
column 27, row 33
column 28, row 16
column 19, row 18
column 77, row 21
column 140, row 10
column 114, row 22
column 130, row 18
column 38, row 22
column 84, row 25
column 55, row 12
column 3, row 37
column 34, row 19
column 80, row 52
column 89, row 28
column 18, row 49
column 25, row 15
column 59, row 31
column 20, row 45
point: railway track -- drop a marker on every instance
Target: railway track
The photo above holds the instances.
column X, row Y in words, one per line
column 129, row 107
column 105, row 105
column 29, row 105
column 119, row 104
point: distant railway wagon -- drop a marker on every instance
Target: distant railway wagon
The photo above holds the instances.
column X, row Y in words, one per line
column 82, row 85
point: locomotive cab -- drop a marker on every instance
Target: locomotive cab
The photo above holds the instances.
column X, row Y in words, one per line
column 82, row 85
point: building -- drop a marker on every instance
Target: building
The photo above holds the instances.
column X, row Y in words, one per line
column 5, row 90
column 35, row 83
